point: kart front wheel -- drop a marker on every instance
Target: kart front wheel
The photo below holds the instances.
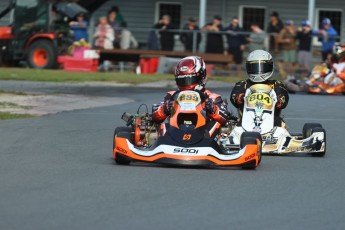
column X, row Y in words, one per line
column 249, row 138
column 320, row 154
column 308, row 127
column 121, row 159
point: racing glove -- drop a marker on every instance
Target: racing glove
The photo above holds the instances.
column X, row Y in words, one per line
column 167, row 107
column 210, row 106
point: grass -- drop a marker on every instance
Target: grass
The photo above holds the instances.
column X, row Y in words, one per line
column 65, row 76
column 13, row 105
column 7, row 115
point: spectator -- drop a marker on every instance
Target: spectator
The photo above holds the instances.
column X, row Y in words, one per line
column 274, row 28
column 257, row 38
column 327, row 35
column 187, row 38
column 304, row 36
column 166, row 37
column 214, row 43
column 287, row 37
column 104, row 35
column 236, row 42
column 127, row 39
column 79, row 27
column 115, row 24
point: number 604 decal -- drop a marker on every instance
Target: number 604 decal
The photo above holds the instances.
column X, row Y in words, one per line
column 260, row 97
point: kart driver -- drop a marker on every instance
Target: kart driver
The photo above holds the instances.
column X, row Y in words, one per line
column 259, row 66
column 339, row 65
column 190, row 74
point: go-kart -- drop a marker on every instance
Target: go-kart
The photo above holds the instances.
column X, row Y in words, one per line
column 189, row 138
column 258, row 116
column 322, row 80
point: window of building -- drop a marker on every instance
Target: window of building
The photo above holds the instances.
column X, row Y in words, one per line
column 333, row 14
column 252, row 14
column 173, row 9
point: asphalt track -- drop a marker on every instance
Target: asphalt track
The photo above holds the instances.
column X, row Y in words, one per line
column 56, row 172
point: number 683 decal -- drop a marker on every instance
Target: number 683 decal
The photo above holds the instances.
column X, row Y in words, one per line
column 260, row 97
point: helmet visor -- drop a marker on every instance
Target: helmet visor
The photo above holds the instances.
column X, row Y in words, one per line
column 186, row 80
column 259, row 66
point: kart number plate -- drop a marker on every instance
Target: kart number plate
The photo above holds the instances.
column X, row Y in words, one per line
column 260, row 97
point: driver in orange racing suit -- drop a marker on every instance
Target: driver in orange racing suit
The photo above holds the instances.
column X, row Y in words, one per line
column 339, row 57
column 190, row 74
column 259, row 66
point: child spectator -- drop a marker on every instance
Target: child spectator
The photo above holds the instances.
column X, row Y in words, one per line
column 104, row 35
column 127, row 39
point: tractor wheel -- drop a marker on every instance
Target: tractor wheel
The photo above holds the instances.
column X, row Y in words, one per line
column 42, row 55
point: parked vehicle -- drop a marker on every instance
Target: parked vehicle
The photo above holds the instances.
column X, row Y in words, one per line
column 38, row 31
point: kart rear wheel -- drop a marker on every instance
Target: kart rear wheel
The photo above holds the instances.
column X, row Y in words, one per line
column 318, row 129
column 248, row 138
column 120, row 159
column 308, row 127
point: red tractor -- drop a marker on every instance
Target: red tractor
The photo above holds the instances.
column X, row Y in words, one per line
column 38, row 31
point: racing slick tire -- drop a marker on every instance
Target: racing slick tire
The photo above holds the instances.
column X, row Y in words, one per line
column 120, row 159
column 320, row 154
column 308, row 127
column 251, row 138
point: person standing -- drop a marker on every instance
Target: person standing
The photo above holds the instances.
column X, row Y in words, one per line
column 214, row 43
column 274, row 28
column 236, row 42
column 166, row 35
column 304, row 36
column 257, row 38
column 187, row 37
column 104, row 34
column 115, row 25
column 287, row 37
column 79, row 28
column 327, row 35
column 127, row 41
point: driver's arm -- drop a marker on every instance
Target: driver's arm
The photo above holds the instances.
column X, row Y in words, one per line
column 282, row 95
column 237, row 94
column 163, row 110
column 219, row 111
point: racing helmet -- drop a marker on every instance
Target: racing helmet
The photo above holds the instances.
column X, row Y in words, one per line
column 259, row 66
column 339, row 52
column 190, row 73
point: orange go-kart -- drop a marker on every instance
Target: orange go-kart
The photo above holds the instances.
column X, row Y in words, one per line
column 189, row 138
column 325, row 81
column 322, row 80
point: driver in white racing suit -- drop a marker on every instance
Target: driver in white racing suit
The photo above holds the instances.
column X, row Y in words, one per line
column 259, row 66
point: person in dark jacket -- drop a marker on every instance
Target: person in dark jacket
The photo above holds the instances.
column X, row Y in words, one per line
column 274, row 27
column 166, row 37
column 187, row 38
column 214, row 43
column 304, row 36
column 236, row 42
column 259, row 67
